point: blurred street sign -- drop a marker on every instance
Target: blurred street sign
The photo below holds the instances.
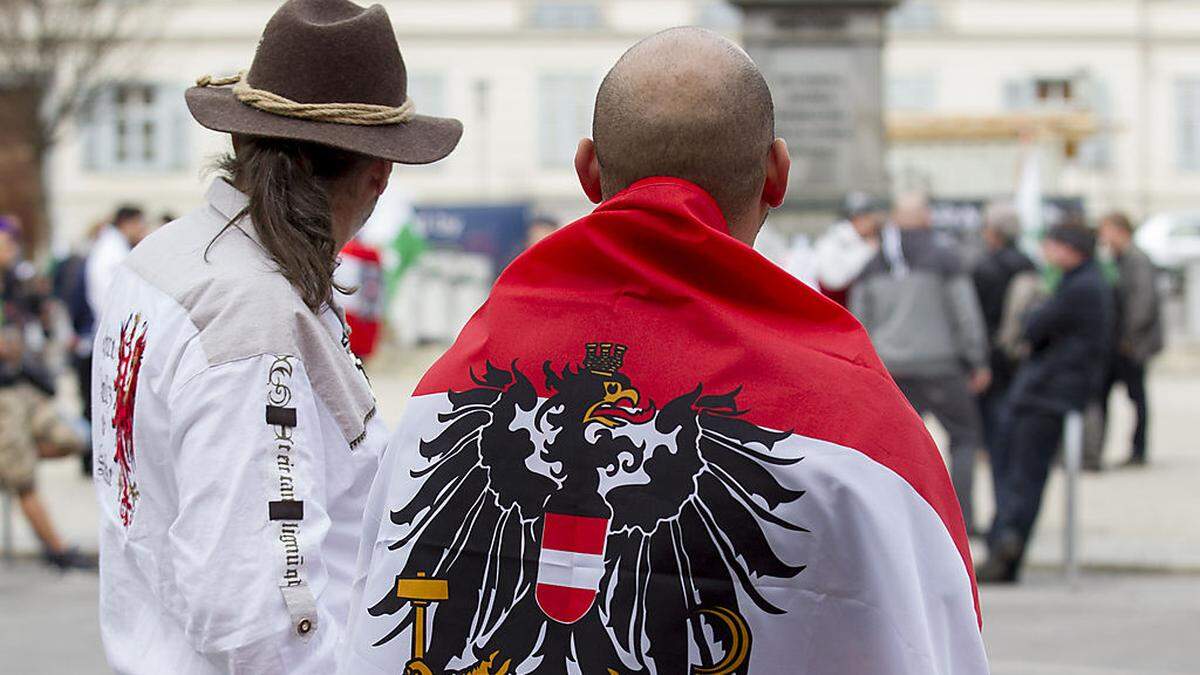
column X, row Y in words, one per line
column 496, row 232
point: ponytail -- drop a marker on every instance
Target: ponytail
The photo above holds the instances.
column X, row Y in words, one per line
column 288, row 183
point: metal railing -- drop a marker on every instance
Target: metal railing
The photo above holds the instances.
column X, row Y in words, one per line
column 6, row 526
column 1072, row 465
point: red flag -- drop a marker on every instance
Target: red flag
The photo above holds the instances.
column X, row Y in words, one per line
column 362, row 271
column 758, row 496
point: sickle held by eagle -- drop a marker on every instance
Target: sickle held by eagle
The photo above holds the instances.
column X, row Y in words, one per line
column 739, row 647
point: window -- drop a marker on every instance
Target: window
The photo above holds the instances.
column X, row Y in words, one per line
column 565, row 116
column 910, row 93
column 1053, row 91
column 1042, row 92
column 1188, row 93
column 135, row 126
column 1080, row 92
column 566, row 15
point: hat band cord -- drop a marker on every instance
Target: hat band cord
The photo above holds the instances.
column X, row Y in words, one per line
column 364, row 114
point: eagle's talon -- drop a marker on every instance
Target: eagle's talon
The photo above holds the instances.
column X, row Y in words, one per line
column 417, row 667
column 489, row 666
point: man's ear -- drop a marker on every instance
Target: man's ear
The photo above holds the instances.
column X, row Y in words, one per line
column 377, row 176
column 587, row 167
column 779, row 165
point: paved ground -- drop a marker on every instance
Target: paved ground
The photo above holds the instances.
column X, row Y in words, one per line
column 1107, row 625
column 1134, row 519
column 1114, row 622
column 1128, row 624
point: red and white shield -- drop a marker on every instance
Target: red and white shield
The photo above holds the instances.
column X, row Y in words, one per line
column 570, row 565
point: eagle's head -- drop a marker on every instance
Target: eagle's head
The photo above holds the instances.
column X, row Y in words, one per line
column 615, row 400
column 596, row 393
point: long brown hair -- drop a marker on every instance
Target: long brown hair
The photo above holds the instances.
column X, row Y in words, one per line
column 289, row 185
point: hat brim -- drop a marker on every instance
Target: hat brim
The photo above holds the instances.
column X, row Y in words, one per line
column 421, row 140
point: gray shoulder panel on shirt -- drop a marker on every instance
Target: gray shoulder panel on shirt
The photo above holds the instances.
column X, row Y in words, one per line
column 242, row 307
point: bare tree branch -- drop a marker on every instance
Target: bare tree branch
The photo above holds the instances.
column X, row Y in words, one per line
column 53, row 55
column 59, row 48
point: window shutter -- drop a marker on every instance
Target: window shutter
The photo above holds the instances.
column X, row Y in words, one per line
column 1018, row 94
column 174, row 131
column 97, row 130
column 565, row 116
column 1096, row 152
column 1188, row 113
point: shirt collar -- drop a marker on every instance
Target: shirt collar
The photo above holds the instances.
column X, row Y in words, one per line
column 230, row 203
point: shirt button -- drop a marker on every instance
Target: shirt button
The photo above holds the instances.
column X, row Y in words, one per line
column 304, row 627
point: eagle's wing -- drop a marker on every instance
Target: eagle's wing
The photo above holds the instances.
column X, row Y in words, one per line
column 472, row 519
column 685, row 543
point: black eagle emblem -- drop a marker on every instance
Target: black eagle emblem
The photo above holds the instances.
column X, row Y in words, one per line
column 588, row 532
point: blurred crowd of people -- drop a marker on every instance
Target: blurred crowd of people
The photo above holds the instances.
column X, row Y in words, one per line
column 47, row 314
column 1002, row 348
column 999, row 347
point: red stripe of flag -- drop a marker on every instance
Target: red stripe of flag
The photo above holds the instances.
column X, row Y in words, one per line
column 563, row 603
column 578, row 534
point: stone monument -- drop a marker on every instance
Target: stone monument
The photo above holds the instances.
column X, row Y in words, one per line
column 824, row 62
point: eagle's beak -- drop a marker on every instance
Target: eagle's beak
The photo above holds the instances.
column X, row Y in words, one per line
column 605, row 410
column 625, row 394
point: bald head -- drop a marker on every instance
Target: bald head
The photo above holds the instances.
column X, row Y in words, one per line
column 912, row 211
column 690, row 104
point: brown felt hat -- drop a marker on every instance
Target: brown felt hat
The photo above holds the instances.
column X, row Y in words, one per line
column 317, row 54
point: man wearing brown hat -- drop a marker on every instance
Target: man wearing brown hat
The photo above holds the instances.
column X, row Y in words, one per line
column 235, row 437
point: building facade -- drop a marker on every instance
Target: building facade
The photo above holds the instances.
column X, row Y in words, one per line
column 521, row 75
column 1106, row 91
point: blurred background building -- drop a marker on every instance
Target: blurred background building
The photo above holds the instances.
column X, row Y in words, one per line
column 521, row 74
column 1106, row 93
column 1109, row 89
column 1088, row 105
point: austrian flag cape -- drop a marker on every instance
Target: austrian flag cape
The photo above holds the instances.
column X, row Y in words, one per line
column 653, row 451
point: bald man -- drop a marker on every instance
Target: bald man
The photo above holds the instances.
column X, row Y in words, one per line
column 596, row 478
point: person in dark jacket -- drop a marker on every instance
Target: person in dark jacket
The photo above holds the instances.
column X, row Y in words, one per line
column 30, row 428
column 1068, row 337
column 1140, row 331
column 70, row 287
column 994, row 277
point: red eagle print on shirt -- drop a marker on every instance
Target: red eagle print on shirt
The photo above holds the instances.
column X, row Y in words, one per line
column 129, row 362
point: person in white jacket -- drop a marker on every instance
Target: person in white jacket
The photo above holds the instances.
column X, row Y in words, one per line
column 236, row 434
column 112, row 246
column 844, row 250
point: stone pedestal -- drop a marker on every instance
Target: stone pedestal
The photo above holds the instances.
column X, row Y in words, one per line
column 823, row 61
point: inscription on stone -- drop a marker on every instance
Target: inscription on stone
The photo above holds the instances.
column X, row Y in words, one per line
column 823, row 61
column 816, row 118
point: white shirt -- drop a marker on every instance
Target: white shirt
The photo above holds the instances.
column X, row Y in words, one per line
column 107, row 254
column 841, row 255
column 231, row 501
